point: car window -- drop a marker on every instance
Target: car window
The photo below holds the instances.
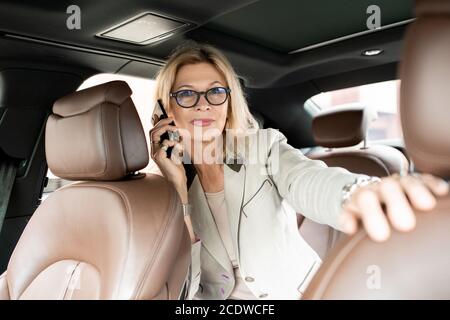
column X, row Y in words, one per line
column 382, row 97
column 143, row 91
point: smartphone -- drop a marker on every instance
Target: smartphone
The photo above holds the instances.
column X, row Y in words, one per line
column 166, row 134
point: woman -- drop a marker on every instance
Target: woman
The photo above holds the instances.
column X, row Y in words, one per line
column 241, row 211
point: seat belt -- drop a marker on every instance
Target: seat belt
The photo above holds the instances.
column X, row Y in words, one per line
column 8, row 170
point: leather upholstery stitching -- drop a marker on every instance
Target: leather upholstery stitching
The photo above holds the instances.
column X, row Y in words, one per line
column 70, row 280
column 105, row 145
column 128, row 216
column 122, row 149
column 342, row 254
column 156, row 252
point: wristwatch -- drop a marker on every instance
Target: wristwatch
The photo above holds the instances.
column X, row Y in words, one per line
column 349, row 189
column 186, row 209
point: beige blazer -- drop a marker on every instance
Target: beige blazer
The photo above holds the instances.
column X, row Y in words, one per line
column 262, row 199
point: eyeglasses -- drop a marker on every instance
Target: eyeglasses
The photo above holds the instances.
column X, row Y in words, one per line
column 189, row 98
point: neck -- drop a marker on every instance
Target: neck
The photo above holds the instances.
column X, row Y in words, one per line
column 210, row 176
column 206, row 153
column 208, row 170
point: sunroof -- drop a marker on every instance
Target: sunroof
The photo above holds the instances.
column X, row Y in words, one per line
column 288, row 25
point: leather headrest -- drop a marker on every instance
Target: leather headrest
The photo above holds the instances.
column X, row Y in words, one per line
column 360, row 268
column 96, row 134
column 342, row 126
column 425, row 90
column 432, row 7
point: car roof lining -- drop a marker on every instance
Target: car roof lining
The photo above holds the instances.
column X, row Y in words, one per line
column 294, row 24
column 259, row 64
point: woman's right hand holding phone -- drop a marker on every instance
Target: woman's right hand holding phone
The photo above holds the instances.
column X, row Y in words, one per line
column 172, row 168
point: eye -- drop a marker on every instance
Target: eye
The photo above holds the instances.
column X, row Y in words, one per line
column 217, row 90
column 185, row 93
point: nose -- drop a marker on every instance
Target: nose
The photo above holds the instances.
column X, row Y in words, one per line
column 202, row 104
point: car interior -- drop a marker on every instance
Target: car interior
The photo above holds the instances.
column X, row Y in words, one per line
column 120, row 228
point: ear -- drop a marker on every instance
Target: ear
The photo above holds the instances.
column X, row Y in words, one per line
column 155, row 119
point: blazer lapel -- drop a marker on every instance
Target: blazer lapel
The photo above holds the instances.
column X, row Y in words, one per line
column 205, row 226
column 234, row 185
column 201, row 216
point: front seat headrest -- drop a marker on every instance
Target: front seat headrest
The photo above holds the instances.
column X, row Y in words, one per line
column 410, row 265
column 425, row 94
column 416, row 264
column 342, row 126
column 96, row 134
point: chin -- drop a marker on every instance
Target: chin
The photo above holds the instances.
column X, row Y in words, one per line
column 207, row 134
column 207, row 138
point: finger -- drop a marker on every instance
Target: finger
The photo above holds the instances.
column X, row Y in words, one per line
column 161, row 153
column 155, row 119
column 419, row 195
column 162, row 122
column 398, row 208
column 158, row 132
column 438, row 186
column 155, row 145
column 179, row 148
column 370, row 212
column 155, row 148
column 177, row 153
column 168, row 143
column 348, row 221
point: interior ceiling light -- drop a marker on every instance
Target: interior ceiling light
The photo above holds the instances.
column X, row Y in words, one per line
column 145, row 28
column 372, row 52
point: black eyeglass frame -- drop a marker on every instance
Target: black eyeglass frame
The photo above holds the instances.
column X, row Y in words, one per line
column 198, row 94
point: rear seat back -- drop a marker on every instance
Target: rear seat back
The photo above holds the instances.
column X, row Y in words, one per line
column 340, row 131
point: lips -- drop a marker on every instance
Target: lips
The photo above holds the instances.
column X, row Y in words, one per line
column 202, row 122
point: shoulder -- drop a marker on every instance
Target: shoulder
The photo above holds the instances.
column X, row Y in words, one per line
column 261, row 143
column 269, row 135
column 265, row 139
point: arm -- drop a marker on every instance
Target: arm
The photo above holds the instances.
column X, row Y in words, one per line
column 194, row 276
column 308, row 185
column 194, row 272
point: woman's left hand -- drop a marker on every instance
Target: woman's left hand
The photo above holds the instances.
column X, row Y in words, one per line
column 391, row 203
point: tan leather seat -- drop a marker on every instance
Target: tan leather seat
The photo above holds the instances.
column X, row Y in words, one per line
column 340, row 130
column 115, row 235
column 414, row 265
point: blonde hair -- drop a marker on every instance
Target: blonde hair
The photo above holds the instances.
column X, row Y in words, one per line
column 239, row 118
